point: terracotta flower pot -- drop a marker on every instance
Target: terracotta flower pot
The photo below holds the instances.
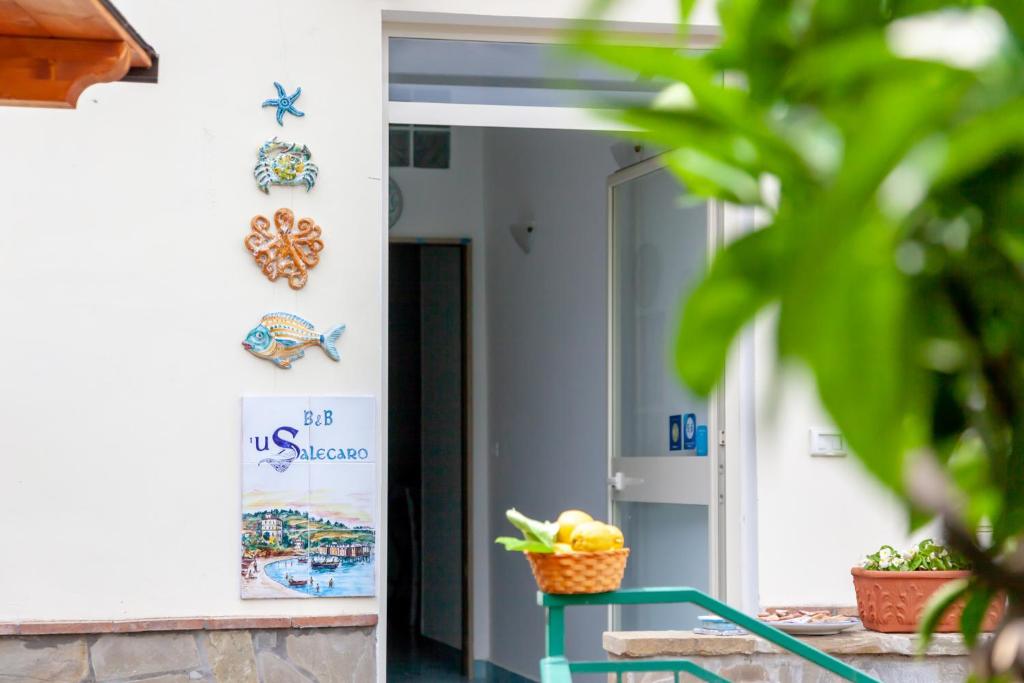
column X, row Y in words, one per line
column 892, row 602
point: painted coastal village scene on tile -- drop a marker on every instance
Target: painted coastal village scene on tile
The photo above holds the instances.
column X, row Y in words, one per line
column 308, row 496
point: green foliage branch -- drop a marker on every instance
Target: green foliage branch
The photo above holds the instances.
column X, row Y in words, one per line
column 882, row 144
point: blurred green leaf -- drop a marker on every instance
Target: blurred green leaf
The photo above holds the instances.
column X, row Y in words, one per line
column 937, row 606
column 713, row 177
column 742, row 279
column 883, row 142
column 974, row 613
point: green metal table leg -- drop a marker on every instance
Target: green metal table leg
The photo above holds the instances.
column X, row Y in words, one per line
column 556, row 631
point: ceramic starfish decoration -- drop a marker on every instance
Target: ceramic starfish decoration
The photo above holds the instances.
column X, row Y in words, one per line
column 284, row 103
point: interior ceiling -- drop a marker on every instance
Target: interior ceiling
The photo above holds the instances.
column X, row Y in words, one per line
column 495, row 73
column 500, row 64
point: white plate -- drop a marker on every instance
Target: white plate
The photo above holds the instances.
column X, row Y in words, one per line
column 812, row 628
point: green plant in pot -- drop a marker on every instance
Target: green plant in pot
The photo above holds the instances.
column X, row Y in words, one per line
column 894, row 589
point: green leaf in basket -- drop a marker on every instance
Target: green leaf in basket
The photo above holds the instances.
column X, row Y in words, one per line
column 521, row 544
column 542, row 532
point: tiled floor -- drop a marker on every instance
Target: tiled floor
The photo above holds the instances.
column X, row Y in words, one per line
column 418, row 660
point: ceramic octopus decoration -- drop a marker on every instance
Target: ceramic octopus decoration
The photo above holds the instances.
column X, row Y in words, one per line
column 284, row 163
column 288, row 250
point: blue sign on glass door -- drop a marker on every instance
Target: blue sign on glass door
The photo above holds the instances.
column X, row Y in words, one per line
column 689, row 431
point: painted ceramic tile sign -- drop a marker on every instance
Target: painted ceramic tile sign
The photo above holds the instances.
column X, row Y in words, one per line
column 309, row 488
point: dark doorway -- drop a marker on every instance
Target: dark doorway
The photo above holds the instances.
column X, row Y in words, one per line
column 427, row 461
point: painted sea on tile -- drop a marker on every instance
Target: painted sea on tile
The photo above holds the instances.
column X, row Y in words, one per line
column 309, row 483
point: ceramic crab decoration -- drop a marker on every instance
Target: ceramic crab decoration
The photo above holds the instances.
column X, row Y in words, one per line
column 284, row 163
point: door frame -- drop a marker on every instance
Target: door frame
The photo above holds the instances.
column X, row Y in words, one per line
column 465, row 246
column 510, row 29
column 717, row 518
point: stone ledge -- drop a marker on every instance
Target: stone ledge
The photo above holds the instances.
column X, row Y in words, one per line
column 50, row 628
column 853, row 642
column 292, row 655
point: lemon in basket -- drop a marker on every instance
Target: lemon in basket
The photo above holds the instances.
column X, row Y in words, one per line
column 617, row 540
column 568, row 521
column 595, row 537
column 563, row 549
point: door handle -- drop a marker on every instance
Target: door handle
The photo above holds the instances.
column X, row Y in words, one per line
column 620, row 481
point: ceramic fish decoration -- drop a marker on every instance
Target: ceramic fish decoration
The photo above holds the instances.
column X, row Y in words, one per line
column 283, row 338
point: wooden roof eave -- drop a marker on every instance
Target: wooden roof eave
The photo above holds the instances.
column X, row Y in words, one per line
column 145, row 61
column 47, row 59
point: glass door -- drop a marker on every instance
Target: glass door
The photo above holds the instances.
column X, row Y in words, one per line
column 662, row 455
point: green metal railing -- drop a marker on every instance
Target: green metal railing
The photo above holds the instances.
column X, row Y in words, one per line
column 555, row 668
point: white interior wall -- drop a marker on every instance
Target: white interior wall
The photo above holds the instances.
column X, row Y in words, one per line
column 551, row 405
column 547, row 317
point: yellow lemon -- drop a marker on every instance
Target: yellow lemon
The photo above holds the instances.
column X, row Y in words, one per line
column 569, row 520
column 562, row 549
column 593, row 537
column 617, row 540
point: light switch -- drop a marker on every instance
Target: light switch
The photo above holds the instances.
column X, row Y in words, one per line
column 827, row 442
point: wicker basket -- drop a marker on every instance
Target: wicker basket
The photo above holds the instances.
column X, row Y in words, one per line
column 574, row 573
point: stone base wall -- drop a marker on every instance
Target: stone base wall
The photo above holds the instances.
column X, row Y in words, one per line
column 771, row 668
column 314, row 655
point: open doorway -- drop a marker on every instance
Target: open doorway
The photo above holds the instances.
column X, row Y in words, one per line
column 428, row 427
column 538, row 361
column 532, row 196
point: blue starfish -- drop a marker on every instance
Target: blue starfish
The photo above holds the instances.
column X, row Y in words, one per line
column 284, row 103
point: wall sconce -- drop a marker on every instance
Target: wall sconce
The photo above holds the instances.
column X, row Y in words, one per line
column 523, row 235
column 627, row 153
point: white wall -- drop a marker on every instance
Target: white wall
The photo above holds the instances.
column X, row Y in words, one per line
column 817, row 517
column 133, row 292
column 547, row 322
column 445, row 202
